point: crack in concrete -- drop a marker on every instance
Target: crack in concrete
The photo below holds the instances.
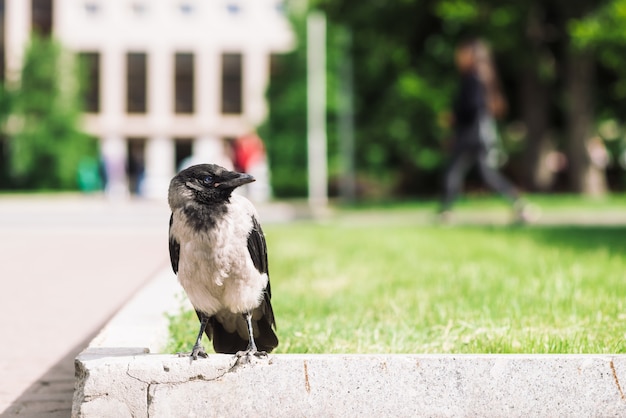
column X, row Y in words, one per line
column 619, row 387
column 89, row 398
column 201, row 377
column 150, row 384
column 148, row 400
column 307, row 384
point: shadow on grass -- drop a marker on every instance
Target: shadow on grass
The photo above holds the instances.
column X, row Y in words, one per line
column 581, row 237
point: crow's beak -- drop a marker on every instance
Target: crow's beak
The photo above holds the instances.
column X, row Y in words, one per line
column 239, row 180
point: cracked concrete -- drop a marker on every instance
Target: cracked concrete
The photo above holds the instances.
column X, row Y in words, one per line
column 159, row 385
column 619, row 387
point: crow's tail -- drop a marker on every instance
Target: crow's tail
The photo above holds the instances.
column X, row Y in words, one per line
column 229, row 339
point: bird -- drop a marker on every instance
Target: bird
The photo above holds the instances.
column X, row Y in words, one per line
column 219, row 253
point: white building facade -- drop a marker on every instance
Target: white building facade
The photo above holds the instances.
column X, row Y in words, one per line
column 169, row 80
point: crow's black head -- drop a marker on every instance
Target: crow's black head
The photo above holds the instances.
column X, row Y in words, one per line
column 205, row 183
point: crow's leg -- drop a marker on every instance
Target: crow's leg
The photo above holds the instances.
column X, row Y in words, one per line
column 251, row 350
column 198, row 350
column 251, row 344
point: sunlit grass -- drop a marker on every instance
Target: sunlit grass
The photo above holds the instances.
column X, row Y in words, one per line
column 388, row 288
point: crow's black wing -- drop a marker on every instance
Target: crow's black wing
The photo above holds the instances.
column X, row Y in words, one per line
column 257, row 247
column 174, row 248
column 258, row 252
column 263, row 316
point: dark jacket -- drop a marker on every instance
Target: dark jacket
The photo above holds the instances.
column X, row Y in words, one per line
column 470, row 105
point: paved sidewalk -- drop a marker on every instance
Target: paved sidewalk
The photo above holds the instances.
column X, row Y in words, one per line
column 67, row 265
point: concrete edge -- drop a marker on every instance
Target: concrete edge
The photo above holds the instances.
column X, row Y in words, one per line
column 116, row 376
column 142, row 321
column 159, row 385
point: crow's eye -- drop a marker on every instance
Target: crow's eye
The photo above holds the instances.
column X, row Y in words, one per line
column 207, row 179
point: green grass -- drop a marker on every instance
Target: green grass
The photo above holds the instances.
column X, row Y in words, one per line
column 384, row 287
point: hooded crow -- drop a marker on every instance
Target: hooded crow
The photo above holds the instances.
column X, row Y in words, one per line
column 218, row 251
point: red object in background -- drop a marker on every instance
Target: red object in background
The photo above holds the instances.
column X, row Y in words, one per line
column 249, row 150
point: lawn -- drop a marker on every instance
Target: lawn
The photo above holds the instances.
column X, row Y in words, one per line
column 391, row 287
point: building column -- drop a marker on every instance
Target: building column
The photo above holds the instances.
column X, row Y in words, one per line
column 160, row 168
column 207, row 89
column 114, row 155
column 211, row 149
column 17, row 33
column 112, row 87
column 255, row 79
column 208, row 147
column 160, row 148
column 113, row 146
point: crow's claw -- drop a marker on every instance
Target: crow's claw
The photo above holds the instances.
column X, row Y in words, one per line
column 194, row 354
column 198, row 350
column 245, row 357
column 247, row 353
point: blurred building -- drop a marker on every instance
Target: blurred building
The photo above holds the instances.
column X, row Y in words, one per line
column 169, row 80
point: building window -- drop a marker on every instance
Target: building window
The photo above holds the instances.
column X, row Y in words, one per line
column 41, row 17
column 184, row 83
column 90, row 68
column 136, row 82
column 183, row 150
column 135, row 165
column 232, row 83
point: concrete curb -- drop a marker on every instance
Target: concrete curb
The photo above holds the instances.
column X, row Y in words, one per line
column 142, row 322
column 116, row 377
column 134, row 384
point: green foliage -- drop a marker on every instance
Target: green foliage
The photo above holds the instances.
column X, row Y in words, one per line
column 604, row 26
column 380, row 282
column 404, row 82
column 285, row 129
column 604, row 32
column 46, row 145
column 457, row 10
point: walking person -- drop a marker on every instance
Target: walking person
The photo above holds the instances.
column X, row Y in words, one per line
column 478, row 102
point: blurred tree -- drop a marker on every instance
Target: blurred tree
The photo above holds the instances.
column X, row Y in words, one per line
column 561, row 63
column 404, row 79
column 46, row 144
column 284, row 131
column 603, row 30
column 586, row 175
column 5, row 110
column 537, row 73
column 285, row 128
column 601, row 34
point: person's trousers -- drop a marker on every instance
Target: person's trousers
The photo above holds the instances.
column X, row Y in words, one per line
column 461, row 161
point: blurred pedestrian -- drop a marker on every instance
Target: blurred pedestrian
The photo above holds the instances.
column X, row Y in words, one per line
column 478, row 102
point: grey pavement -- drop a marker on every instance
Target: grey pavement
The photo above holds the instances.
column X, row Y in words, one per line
column 68, row 263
